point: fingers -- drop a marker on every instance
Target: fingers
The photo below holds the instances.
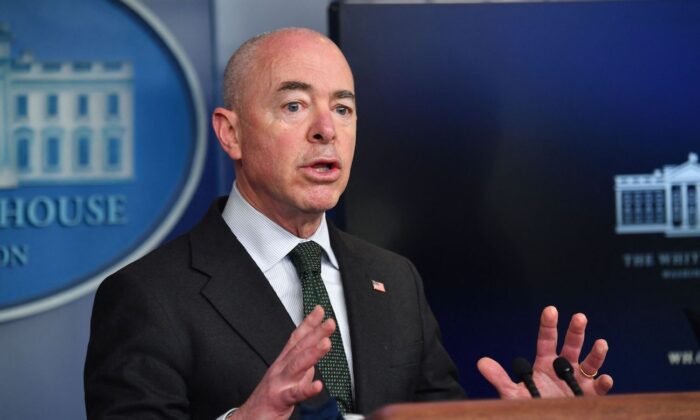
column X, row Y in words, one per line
column 493, row 372
column 571, row 350
column 547, row 336
column 309, row 349
column 305, row 389
column 307, row 345
column 573, row 342
column 310, row 322
column 305, row 356
column 289, row 380
column 595, row 359
column 603, row 384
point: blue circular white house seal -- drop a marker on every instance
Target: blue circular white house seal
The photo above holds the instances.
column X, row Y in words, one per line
column 102, row 145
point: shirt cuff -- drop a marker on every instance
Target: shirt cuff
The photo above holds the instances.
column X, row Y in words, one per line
column 226, row 414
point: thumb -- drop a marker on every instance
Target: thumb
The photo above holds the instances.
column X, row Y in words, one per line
column 493, row 372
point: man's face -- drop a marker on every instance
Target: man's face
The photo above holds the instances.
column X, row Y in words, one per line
column 296, row 128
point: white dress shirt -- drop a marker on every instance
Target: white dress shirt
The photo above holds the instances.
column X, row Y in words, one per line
column 269, row 245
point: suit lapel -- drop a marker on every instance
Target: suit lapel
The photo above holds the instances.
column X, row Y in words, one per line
column 237, row 288
column 369, row 319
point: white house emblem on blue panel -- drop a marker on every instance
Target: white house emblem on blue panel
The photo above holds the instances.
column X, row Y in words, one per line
column 102, row 145
column 64, row 121
column 665, row 201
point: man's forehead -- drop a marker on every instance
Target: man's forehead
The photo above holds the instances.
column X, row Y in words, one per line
column 301, row 69
column 299, row 46
column 299, row 61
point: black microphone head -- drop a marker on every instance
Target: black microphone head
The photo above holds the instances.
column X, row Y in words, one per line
column 521, row 367
column 562, row 367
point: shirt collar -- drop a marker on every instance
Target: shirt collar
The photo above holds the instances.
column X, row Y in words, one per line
column 266, row 241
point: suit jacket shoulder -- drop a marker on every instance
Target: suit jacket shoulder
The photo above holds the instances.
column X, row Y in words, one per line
column 189, row 330
column 185, row 332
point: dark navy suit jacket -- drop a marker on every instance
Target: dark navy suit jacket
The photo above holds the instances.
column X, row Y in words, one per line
column 189, row 330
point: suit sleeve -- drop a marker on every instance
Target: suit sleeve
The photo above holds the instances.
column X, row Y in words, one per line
column 135, row 365
column 439, row 377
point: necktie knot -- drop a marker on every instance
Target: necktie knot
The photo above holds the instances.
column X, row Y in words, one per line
column 306, row 258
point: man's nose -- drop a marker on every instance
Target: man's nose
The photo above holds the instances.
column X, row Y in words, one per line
column 323, row 128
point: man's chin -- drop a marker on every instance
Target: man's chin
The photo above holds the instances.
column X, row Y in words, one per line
column 319, row 200
column 320, row 205
column 317, row 208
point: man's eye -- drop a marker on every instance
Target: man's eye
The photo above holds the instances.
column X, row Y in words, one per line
column 343, row 110
column 293, row 106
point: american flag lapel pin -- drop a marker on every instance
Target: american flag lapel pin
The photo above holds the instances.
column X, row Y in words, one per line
column 378, row 286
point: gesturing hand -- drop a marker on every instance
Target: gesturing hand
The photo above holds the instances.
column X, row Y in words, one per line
column 543, row 373
column 289, row 380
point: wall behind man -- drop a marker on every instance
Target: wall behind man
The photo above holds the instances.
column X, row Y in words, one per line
column 42, row 356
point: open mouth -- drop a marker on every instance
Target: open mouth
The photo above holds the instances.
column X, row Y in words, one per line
column 323, row 166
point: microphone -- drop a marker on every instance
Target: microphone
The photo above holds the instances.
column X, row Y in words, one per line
column 523, row 370
column 566, row 373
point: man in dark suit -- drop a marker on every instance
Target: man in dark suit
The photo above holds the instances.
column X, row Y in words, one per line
column 230, row 316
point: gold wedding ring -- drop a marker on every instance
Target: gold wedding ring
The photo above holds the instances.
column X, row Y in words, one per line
column 587, row 375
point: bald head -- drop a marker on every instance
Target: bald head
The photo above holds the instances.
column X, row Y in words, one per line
column 255, row 52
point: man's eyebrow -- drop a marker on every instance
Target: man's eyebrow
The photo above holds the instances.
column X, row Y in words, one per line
column 344, row 94
column 293, row 85
column 297, row 85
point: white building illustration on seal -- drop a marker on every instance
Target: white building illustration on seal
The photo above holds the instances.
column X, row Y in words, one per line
column 665, row 201
column 63, row 121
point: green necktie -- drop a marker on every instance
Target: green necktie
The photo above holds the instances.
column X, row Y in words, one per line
column 306, row 258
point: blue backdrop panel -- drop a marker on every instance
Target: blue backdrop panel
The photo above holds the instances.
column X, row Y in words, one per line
column 528, row 154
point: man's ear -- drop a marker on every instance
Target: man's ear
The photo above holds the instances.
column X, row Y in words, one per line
column 225, row 124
